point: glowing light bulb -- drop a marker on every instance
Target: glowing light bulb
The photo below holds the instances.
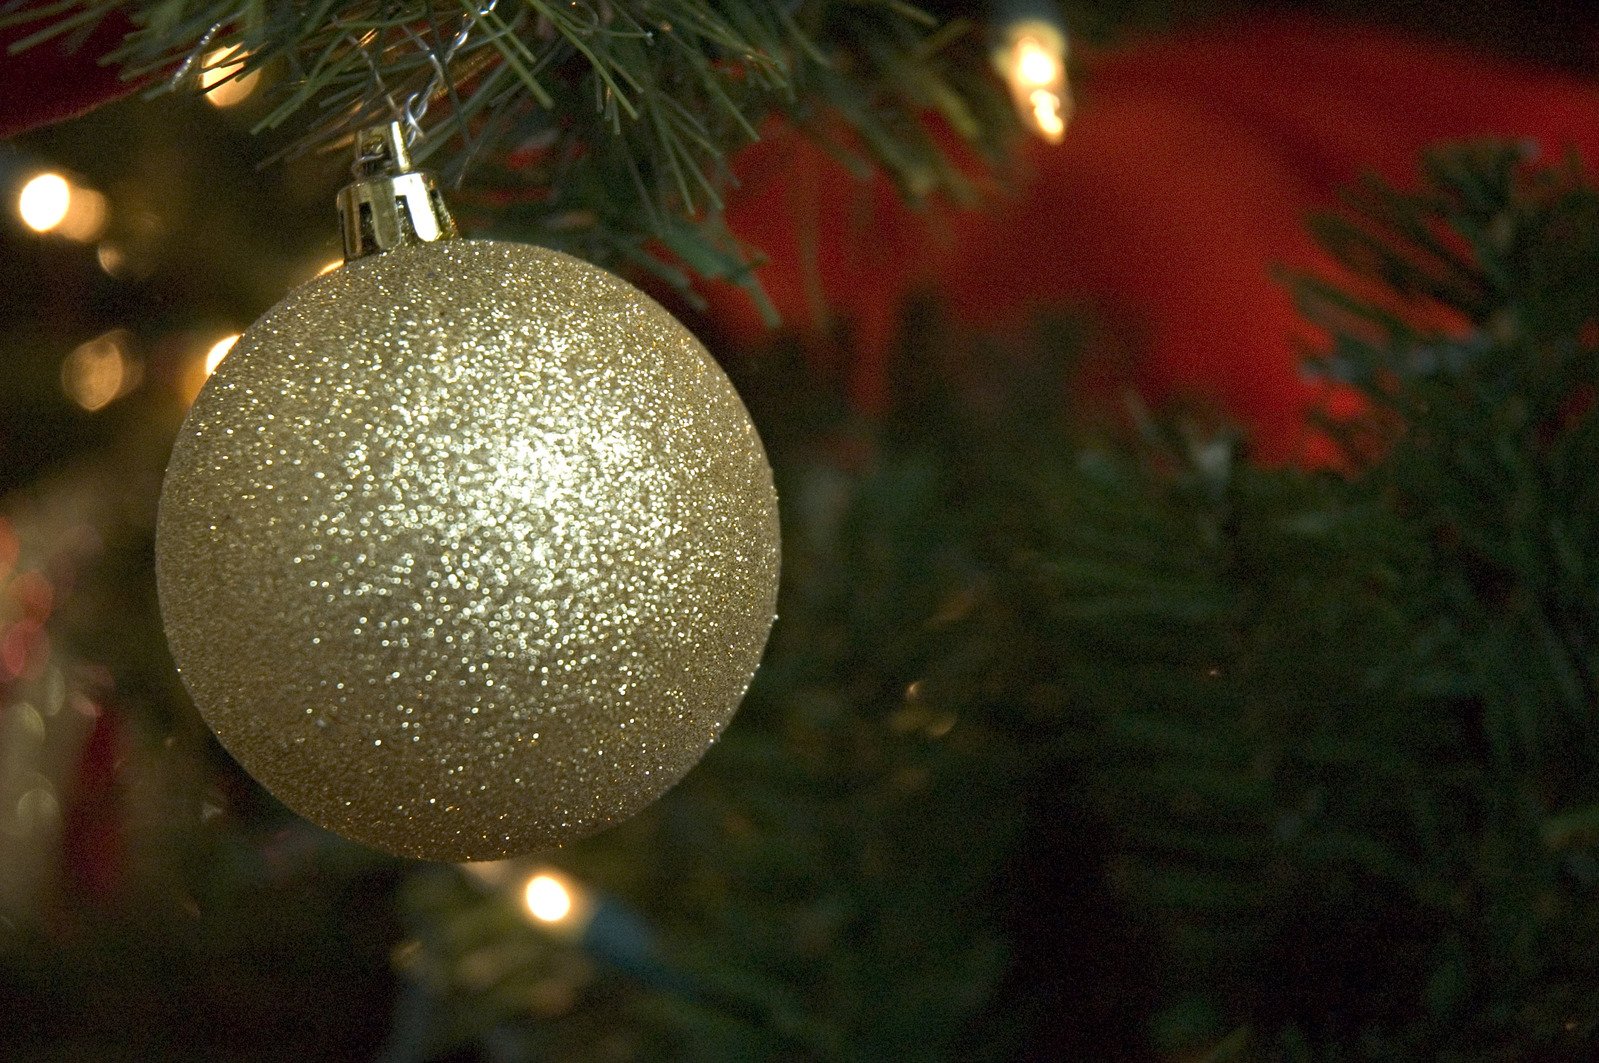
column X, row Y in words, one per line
column 1031, row 58
column 547, row 898
column 219, row 350
column 1034, row 63
column 220, row 81
column 44, row 201
column 49, row 203
column 1046, row 115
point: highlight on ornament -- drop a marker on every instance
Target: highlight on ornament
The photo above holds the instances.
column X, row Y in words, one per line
column 218, row 351
column 1031, row 57
column 204, row 360
column 50, row 203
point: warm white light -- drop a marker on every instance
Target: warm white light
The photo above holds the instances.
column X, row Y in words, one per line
column 219, row 78
column 219, row 350
column 111, row 258
column 1032, row 60
column 548, row 900
column 122, row 260
column 1035, row 66
column 330, row 267
column 1047, row 115
column 44, row 202
column 99, row 371
column 49, row 203
column 85, row 219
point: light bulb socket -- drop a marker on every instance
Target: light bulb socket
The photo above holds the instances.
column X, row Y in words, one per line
column 389, row 205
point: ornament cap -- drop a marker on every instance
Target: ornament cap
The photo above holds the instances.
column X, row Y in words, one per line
column 389, row 205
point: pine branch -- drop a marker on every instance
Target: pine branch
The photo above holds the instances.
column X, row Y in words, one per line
column 621, row 113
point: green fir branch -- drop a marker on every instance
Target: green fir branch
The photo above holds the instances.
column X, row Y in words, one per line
column 637, row 106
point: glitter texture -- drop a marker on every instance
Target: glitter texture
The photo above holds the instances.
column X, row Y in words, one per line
column 467, row 550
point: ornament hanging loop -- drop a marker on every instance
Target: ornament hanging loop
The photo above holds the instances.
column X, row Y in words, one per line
column 389, row 205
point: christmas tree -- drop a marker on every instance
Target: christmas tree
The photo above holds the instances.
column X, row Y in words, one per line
column 1187, row 630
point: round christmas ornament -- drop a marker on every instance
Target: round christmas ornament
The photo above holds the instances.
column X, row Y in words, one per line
column 468, row 548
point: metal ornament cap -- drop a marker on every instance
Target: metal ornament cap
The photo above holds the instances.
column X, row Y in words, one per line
column 467, row 550
column 389, row 205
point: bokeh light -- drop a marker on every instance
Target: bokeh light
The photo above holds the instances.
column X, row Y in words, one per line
column 113, row 260
column 1035, row 66
column 547, row 898
column 220, row 80
column 49, row 203
column 1032, row 60
column 98, row 372
column 86, row 216
column 1047, row 118
column 43, row 202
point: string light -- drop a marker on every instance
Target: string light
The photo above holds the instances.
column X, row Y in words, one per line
column 44, row 201
column 49, row 203
column 557, row 902
column 1047, row 115
column 1031, row 57
column 547, row 898
column 220, row 81
column 1034, row 64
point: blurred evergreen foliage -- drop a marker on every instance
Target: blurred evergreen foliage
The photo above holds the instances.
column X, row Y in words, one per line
column 602, row 128
column 1332, row 736
column 1073, row 741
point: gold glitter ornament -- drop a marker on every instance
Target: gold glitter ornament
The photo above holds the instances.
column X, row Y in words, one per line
column 468, row 548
